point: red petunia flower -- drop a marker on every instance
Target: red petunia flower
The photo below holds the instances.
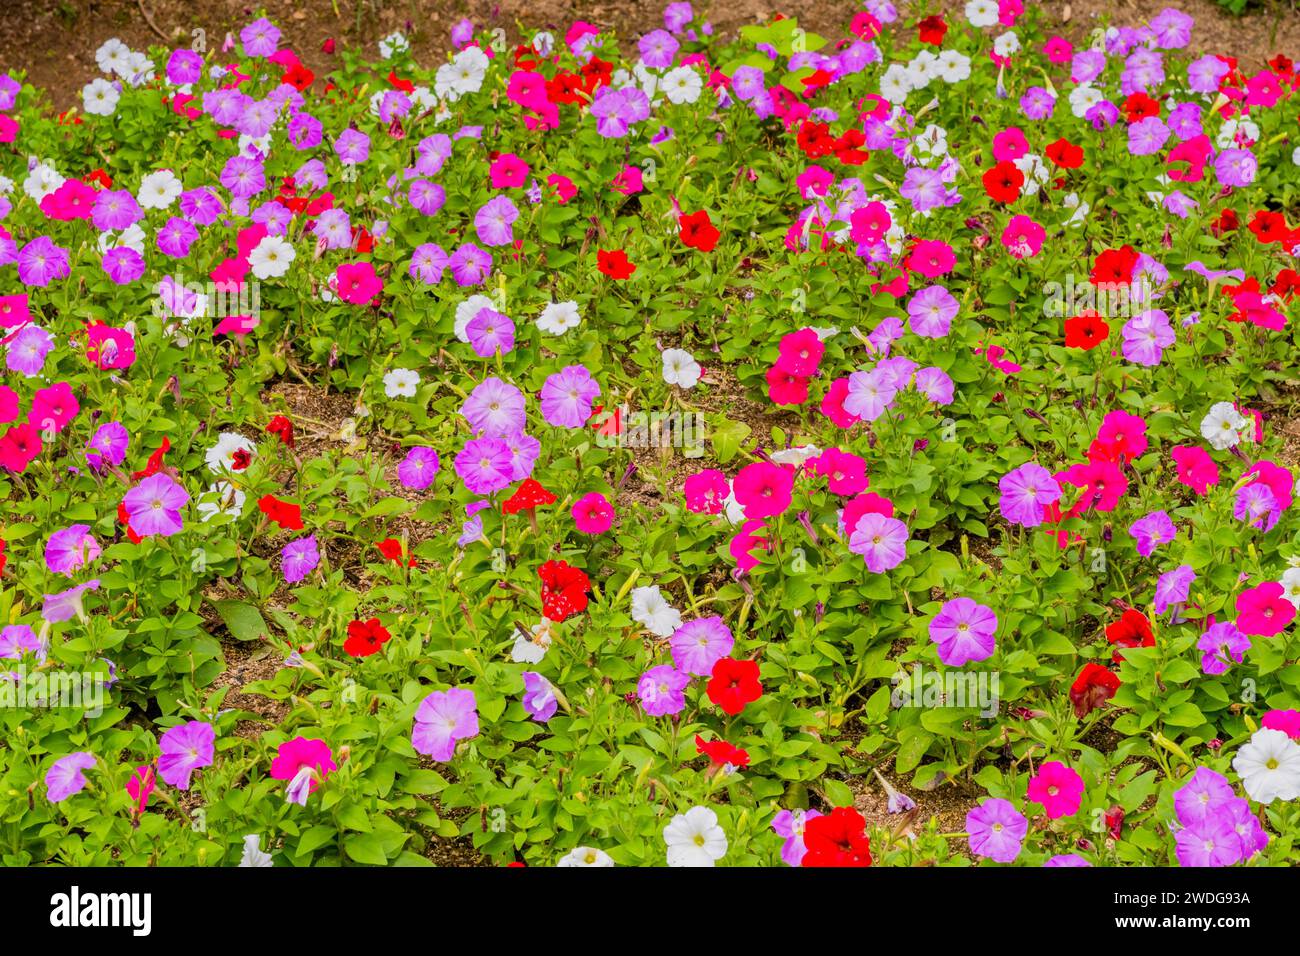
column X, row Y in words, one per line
column 1065, row 154
column 721, row 753
column 365, row 637
column 1086, row 330
column 1133, row 629
column 837, row 838
column 1093, row 687
column 564, row 590
column 614, row 264
column 1114, row 267
column 287, row 515
column 1003, row 182
column 1139, row 106
column 1268, row 226
column 282, row 428
column 931, row 30
column 733, row 684
column 155, row 462
column 698, row 231
column 393, row 550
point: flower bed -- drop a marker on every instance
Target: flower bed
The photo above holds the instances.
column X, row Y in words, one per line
column 823, row 451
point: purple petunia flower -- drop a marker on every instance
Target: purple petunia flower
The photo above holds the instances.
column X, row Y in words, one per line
column 185, row 748
column 658, row 48
column 64, row 778
column 27, row 350
column 484, row 465
column 494, row 408
column 243, row 176
column 566, row 397
column 19, row 639
column 418, row 468
column 490, row 332
column 791, row 825
column 442, row 719
column 698, row 645
column 930, row 312
column 539, row 697
column 260, row 38
column 996, row 830
column 1152, row 531
column 352, row 147
column 1066, row 860
column 115, row 209
column 123, row 265
column 426, row 198
column 964, row 631
column 881, row 541
column 935, row 385
column 1025, row 492
column 662, row 690
column 1172, row 589
column 40, row 262
column 616, row 110
column 67, row 604
column 470, row 265
column 494, row 221
column 1146, row 336
column 71, row 549
column 154, row 506
column 428, row 263
column 1235, row 167
column 1223, row 645
column 524, row 451
column 299, row 558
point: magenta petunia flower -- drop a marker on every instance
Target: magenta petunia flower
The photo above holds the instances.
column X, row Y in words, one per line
column 566, row 397
column 305, row 763
column 662, row 690
column 592, row 513
column 996, row 830
column 243, row 176
column 299, row 558
column 964, row 631
column 1058, row 788
column 418, row 468
column 154, row 506
column 176, row 237
column 115, row 209
column 698, row 645
column 71, row 549
column 1264, row 610
column 442, row 719
column 19, row 639
column 763, row 489
column 185, row 748
column 65, row 777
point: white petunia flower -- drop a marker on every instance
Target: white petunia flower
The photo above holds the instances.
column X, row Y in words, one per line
column 682, row 84
column 113, row 56
column 221, row 498
column 953, row 66
column 982, row 13
column 159, row 190
column 401, row 382
column 271, row 257
column 99, row 97
column 1269, row 766
column 680, row 368
column 41, row 180
column 393, row 45
column 532, row 648
column 653, row 612
column 695, row 839
column 896, row 83
column 253, row 855
column 1291, row 585
column 1223, row 426
column 558, row 317
column 585, row 856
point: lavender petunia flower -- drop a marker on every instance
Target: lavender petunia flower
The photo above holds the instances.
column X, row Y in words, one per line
column 185, row 748
column 566, row 397
column 65, row 777
column 996, row 830
column 539, row 697
column 442, row 719
column 299, row 558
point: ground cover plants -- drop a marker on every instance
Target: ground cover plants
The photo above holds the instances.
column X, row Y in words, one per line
column 790, row 450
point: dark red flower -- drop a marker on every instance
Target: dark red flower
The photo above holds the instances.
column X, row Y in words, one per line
column 931, row 30
column 1093, row 687
column 733, row 684
column 837, row 838
column 282, row 428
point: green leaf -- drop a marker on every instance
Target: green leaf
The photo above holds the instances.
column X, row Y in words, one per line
column 244, row 621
